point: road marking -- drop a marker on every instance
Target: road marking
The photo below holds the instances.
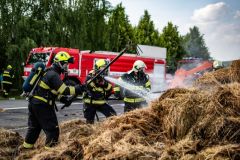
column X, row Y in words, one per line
column 15, row 129
column 16, row 108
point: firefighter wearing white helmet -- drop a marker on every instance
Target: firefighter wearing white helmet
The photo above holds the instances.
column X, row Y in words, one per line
column 139, row 81
column 42, row 106
column 217, row 65
column 7, row 81
column 97, row 93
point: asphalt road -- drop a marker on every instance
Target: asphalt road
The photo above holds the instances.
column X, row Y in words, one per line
column 16, row 113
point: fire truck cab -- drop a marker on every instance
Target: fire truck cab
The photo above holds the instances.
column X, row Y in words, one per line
column 84, row 62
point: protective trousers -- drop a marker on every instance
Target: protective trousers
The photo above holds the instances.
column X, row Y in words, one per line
column 6, row 89
column 42, row 117
column 89, row 111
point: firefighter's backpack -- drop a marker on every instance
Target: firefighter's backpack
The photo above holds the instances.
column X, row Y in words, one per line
column 36, row 73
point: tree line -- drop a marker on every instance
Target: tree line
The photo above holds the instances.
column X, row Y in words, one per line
column 87, row 25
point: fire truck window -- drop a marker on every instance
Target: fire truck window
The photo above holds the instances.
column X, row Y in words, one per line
column 39, row 57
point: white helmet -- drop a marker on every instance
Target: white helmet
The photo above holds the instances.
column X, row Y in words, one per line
column 217, row 64
column 137, row 65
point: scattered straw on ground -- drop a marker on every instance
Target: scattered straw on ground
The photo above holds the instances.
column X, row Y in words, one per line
column 9, row 142
column 195, row 123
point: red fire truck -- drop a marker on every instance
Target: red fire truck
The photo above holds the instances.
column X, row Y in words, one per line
column 84, row 62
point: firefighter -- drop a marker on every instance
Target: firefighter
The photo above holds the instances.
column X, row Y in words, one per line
column 41, row 106
column 7, row 80
column 217, row 65
column 97, row 93
column 139, row 81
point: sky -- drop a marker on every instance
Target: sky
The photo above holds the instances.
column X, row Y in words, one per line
column 217, row 20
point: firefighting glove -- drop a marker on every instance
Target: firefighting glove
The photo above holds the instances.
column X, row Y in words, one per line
column 66, row 101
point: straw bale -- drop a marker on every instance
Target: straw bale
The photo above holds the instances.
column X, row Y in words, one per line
column 235, row 71
column 226, row 100
column 184, row 149
column 215, row 131
column 9, row 141
column 211, row 79
column 220, row 152
column 179, row 110
column 127, row 136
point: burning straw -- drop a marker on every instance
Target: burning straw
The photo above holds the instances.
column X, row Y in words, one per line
column 193, row 123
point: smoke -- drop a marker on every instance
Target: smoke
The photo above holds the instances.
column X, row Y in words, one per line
column 187, row 73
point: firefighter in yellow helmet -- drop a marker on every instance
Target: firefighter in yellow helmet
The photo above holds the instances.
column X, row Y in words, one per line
column 139, row 81
column 97, row 93
column 41, row 106
column 7, row 80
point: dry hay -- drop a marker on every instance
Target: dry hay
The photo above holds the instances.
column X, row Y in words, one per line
column 221, row 76
column 181, row 124
column 9, row 142
column 73, row 134
column 133, row 135
column 215, row 123
column 180, row 112
column 235, row 71
column 220, row 152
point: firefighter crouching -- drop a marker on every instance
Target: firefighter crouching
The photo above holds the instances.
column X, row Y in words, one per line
column 97, row 92
column 41, row 106
column 7, row 80
column 139, row 81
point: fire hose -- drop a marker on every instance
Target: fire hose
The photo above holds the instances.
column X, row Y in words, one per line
column 98, row 74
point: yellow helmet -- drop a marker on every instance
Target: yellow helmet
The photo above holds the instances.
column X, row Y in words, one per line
column 100, row 64
column 62, row 57
column 9, row 67
column 138, row 65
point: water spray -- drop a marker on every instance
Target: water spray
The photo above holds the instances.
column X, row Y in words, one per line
column 147, row 95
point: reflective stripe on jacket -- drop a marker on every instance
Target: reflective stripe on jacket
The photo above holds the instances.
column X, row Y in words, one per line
column 51, row 86
column 7, row 76
column 97, row 93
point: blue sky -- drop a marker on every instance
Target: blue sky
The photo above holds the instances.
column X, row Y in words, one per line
column 219, row 21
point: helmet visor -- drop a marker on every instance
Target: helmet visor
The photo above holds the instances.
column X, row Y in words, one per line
column 71, row 60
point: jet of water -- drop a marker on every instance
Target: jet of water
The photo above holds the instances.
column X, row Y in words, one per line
column 148, row 96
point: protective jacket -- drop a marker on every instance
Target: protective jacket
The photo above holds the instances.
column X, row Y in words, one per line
column 51, row 86
column 95, row 98
column 139, row 82
column 8, row 76
column 97, row 91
